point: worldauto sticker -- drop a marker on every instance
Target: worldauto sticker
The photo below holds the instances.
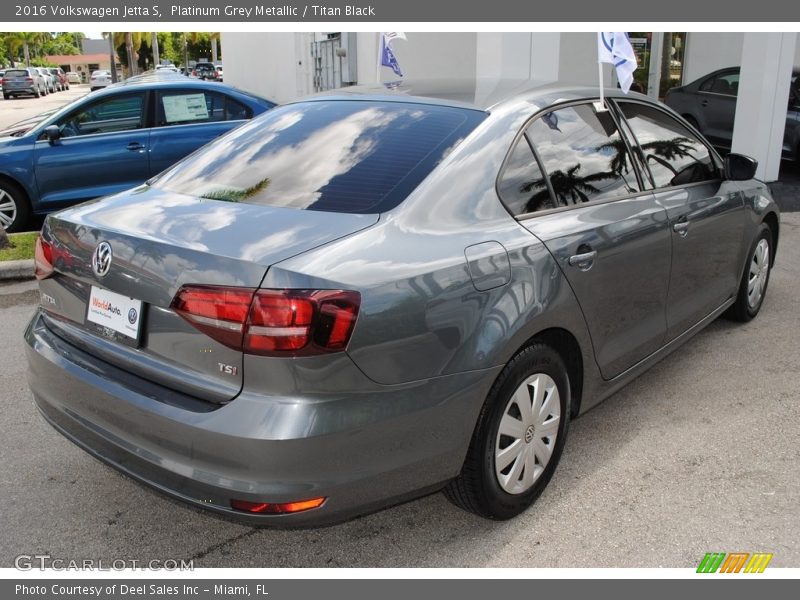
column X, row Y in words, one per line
column 115, row 311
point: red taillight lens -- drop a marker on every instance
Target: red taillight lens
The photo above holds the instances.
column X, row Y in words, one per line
column 219, row 312
column 43, row 259
column 271, row 322
column 276, row 508
column 29, row 80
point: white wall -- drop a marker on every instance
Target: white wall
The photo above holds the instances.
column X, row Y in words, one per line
column 272, row 65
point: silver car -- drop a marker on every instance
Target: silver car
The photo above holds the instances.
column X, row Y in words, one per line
column 367, row 296
column 23, row 82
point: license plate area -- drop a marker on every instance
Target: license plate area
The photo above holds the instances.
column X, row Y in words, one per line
column 115, row 316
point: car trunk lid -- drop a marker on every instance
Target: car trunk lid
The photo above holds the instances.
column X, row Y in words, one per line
column 160, row 241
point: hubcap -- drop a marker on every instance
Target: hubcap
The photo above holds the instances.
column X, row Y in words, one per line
column 527, row 434
column 8, row 209
column 759, row 273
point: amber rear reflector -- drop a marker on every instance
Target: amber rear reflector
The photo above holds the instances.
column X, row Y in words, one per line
column 276, row 508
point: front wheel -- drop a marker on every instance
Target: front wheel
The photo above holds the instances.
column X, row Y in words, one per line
column 753, row 287
column 518, row 439
column 15, row 212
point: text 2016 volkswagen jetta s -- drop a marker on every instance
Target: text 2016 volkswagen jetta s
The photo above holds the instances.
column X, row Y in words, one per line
column 363, row 297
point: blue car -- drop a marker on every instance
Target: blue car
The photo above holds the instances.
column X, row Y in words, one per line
column 112, row 140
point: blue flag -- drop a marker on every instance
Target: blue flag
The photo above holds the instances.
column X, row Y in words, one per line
column 388, row 59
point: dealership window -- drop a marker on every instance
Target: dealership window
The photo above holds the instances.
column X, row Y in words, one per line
column 583, row 155
column 673, row 154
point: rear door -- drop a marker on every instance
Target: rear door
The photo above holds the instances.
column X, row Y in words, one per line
column 706, row 215
column 717, row 99
column 583, row 200
column 102, row 150
column 187, row 119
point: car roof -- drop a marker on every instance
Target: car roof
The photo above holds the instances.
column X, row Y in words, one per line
column 478, row 94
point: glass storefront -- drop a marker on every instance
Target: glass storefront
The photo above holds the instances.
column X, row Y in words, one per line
column 660, row 57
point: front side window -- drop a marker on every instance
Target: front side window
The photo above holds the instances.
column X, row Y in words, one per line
column 120, row 113
column 583, row 155
column 673, row 154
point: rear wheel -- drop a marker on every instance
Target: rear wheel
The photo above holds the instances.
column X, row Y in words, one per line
column 518, row 439
column 15, row 212
column 36, row 92
column 753, row 287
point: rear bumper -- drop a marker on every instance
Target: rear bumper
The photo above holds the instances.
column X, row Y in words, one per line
column 405, row 441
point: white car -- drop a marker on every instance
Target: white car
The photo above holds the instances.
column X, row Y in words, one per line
column 167, row 68
column 49, row 80
column 99, row 79
column 219, row 72
column 73, row 77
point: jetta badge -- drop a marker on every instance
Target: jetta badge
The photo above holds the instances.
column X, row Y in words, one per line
column 101, row 259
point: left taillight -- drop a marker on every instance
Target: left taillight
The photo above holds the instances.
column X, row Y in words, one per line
column 269, row 322
column 43, row 258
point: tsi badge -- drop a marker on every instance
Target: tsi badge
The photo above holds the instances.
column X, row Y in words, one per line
column 227, row 369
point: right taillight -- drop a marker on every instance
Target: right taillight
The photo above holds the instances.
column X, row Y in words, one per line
column 271, row 322
column 43, row 259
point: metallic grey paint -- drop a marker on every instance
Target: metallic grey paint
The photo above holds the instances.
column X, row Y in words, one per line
column 452, row 287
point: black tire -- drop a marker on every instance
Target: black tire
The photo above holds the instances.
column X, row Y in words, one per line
column 6, row 96
column 11, row 191
column 36, row 93
column 742, row 310
column 477, row 488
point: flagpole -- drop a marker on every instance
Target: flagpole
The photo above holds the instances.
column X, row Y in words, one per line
column 600, row 72
column 380, row 58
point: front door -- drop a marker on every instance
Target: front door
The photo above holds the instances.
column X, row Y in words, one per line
column 103, row 149
column 706, row 216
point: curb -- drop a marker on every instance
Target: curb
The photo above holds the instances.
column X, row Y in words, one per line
column 16, row 269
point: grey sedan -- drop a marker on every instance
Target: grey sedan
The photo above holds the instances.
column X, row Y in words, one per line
column 371, row 295
column 709, row 104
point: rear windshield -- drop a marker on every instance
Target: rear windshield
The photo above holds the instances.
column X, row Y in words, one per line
column 340, row 156
column 17, row 73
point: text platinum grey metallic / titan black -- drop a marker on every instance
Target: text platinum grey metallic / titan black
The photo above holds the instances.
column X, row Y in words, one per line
column 369, row 295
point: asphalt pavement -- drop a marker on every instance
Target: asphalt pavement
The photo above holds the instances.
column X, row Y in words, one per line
column 700, row 454
column 17, row 109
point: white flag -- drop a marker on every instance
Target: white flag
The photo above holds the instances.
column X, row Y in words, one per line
column 614, row 47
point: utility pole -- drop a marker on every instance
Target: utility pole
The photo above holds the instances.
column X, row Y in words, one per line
column 156, row 57
column 112, row 60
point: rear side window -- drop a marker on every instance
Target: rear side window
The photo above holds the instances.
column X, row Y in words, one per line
column 584, row 158
column 522, row 186
column 341, row 156
column 673, row 154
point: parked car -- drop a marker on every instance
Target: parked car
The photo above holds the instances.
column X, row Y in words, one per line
column 369, row 295
column 73, row 78
column 219, row 72
column 709, row 105
column 170, row 68
column 23, row 82
column 60, row 77
column 205, row 71
column 108, row 141
column 49, row 79
column 99, row 79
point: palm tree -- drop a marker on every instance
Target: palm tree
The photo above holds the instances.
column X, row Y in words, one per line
column 132, row 41
column 26, row 40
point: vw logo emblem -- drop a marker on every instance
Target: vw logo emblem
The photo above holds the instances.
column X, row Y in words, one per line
column 101, row 259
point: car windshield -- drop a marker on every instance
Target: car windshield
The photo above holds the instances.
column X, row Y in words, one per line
column 340, row 156
column 17, row 73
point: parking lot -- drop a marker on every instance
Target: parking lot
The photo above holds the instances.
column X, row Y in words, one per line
column 16, row 109
column 700, row 454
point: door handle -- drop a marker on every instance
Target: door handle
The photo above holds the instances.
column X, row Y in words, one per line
column 134, row 146
column 704, row 103
column 583, row 261
column 681, row 228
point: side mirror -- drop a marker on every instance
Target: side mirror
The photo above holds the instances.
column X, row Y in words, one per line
column 53, row 134
column 739, row 167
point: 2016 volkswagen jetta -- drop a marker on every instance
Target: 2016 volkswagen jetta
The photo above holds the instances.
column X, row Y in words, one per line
column 366, row 296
